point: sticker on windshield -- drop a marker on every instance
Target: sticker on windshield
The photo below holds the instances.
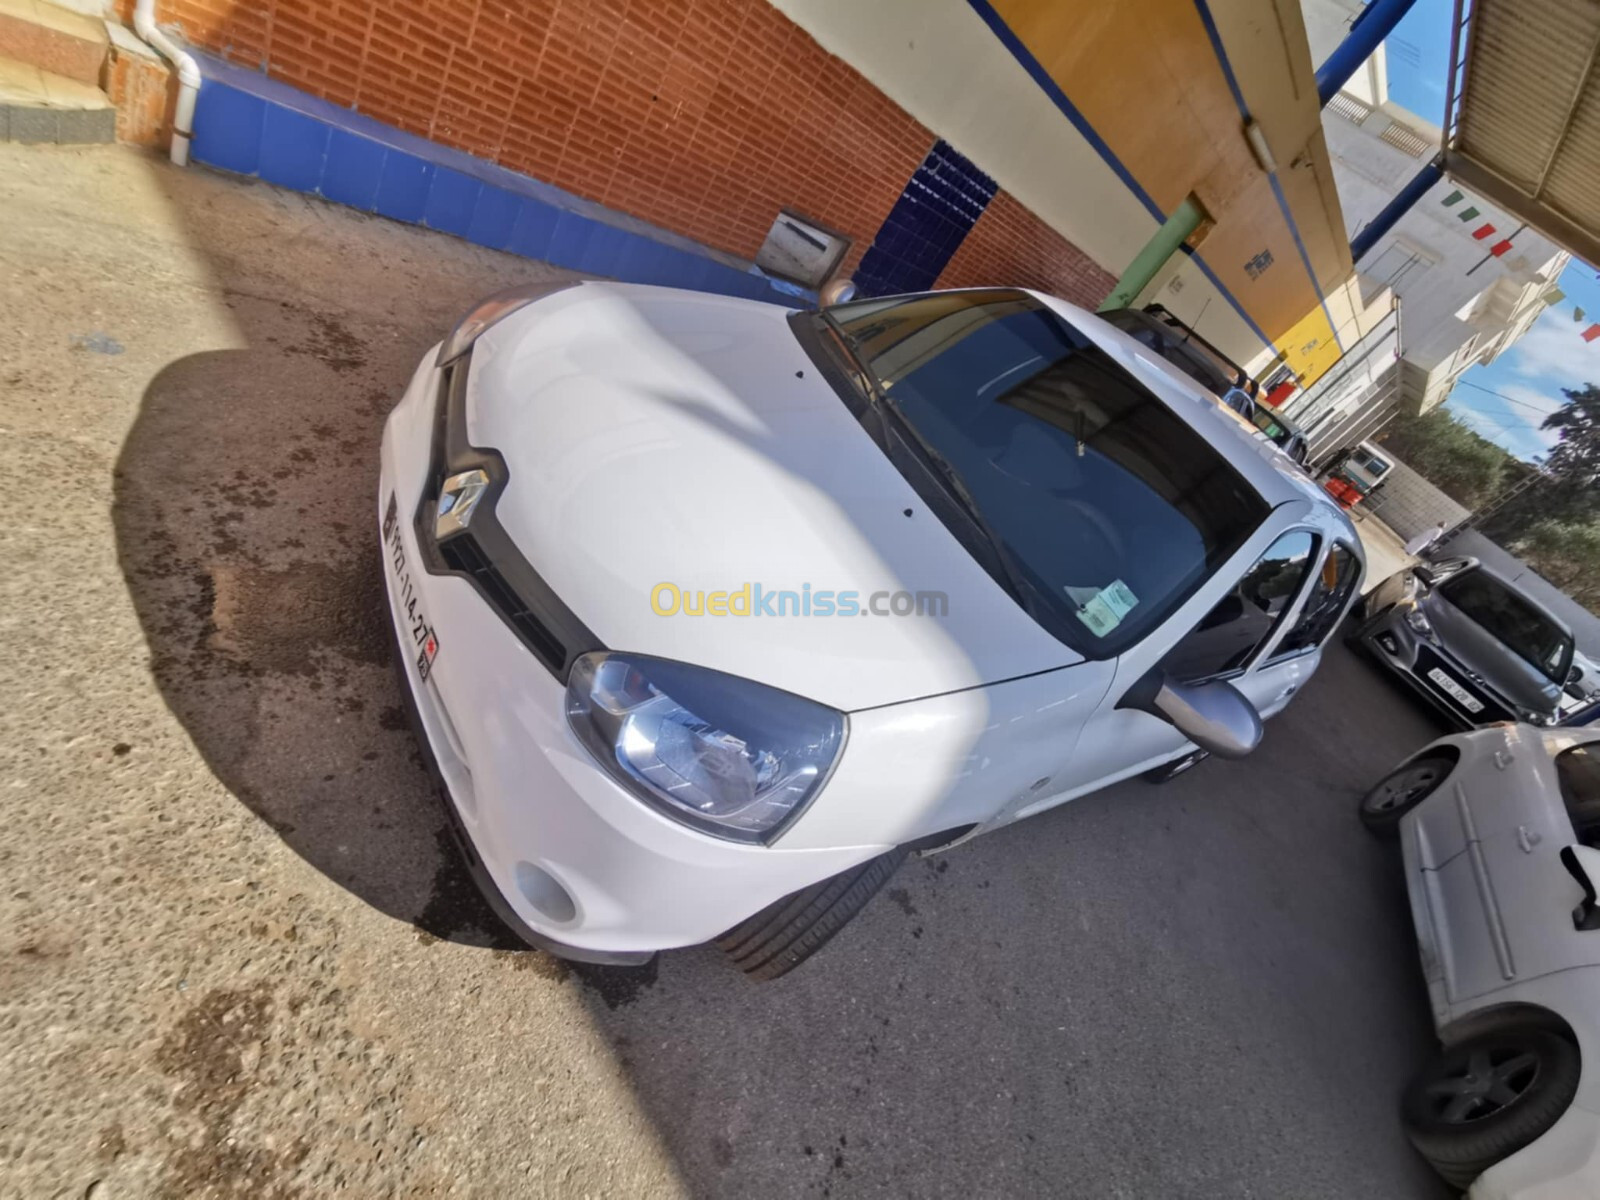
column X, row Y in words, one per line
column 1104, row 610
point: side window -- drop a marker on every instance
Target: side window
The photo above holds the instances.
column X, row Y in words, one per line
column 1579, row 772
column 1330, row 590
column 1241, row 621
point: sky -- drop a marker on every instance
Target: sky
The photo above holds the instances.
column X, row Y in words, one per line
column 1506, row 400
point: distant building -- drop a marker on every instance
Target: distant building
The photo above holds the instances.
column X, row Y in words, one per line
column 1469, row 279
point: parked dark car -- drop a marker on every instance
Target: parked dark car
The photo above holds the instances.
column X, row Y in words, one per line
column 1181, row 346
column 1477, row 648
column 1282, row 431
column 1202, row 362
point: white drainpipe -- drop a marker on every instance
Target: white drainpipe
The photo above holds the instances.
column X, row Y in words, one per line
column 144, row 24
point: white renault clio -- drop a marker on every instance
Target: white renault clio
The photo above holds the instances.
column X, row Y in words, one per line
column 712, row 612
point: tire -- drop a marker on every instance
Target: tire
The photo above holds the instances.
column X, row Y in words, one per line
column 1484, row 1099
column 788, row 931
column 1402, row 790
column 1176, row 767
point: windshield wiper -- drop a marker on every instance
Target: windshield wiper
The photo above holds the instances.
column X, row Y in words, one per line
column 847, row 344
column 1015, row 582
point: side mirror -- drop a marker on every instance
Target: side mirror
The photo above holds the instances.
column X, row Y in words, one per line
column 1575, row 675
column 1583, row 864
column 1214, row 716
column 1423, row 575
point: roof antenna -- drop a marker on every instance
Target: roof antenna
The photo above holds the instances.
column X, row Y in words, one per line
column 1194, row 326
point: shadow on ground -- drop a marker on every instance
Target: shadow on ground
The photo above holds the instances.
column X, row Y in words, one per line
column 244, row 498
column 1203, row 989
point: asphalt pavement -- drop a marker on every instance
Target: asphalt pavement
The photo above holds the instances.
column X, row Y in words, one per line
column 239, row 957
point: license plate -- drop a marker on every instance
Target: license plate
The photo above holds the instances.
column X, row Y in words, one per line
column 1455, row 691
column 417, row 634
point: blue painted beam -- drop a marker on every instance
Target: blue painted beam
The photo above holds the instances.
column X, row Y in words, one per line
column 1376, row 22
column 1396, row 208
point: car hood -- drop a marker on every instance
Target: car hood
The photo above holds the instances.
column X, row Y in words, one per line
column 655, row 436
column 1488, row 658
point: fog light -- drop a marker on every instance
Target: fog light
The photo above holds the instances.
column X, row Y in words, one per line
column 458, row 497
column 1387, row 641
column 542, row 890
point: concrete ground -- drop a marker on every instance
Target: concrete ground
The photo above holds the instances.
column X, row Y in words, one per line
column 1386, row 550
column 237, row 956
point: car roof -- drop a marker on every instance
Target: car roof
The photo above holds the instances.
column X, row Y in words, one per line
column 1262, row 464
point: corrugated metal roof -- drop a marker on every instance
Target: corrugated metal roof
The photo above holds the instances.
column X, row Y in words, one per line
column 1527, row 122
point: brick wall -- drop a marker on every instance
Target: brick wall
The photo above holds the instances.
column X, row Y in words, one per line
column 1009, row 245
column 702, row 116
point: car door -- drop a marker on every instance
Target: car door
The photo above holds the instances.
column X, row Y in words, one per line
column 1285, row 664
column 1218, row 633
column 1530, row 894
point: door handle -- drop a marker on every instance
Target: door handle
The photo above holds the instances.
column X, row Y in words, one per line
column 1528, row 838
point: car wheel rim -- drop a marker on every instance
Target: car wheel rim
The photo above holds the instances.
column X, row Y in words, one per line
column 1486, row 1082
column 1403, row 789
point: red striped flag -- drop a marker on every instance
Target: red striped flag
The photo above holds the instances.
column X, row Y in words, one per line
column 1482, row 232
column 1591, row 333
column 1500, row 248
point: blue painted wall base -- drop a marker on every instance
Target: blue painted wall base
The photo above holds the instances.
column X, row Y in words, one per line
column 252, row 125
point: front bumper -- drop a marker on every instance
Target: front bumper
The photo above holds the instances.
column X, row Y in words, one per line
column 1397, row 646
column 575, row 864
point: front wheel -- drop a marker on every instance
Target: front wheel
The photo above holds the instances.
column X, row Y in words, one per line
column 788, row 931
column 1484, row 1099
column 1401, row 791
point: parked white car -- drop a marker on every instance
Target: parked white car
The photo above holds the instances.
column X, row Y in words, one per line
column 1498, row 830
column 1035, row 557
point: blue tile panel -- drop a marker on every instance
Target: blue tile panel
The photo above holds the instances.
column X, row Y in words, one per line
column 941, row 203
column 252, row 125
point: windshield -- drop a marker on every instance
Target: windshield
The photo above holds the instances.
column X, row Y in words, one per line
column 1512, row 620
column 1190, row 357
column 1104, row 507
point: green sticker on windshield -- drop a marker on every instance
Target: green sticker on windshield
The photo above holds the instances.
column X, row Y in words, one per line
column 1119, row 598
column 1104, row 610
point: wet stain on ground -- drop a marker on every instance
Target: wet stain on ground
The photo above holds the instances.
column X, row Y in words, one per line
column 275, row 620
column 331, row 344
column 617, row 986
column 111, row 1145
column 213, row 1052
column 903, row 898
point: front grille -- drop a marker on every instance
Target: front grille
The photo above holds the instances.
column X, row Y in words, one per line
column 485, row 553
column 462, row 553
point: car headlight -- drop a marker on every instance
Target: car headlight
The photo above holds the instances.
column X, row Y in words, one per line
column 1534, row 717
column 491, row 310
column 730, row 757
column 1419, row 622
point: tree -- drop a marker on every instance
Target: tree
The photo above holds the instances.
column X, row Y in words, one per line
column 1464, row 465
column 1570, row 494
column 1567, row 554
column 1576, row 457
